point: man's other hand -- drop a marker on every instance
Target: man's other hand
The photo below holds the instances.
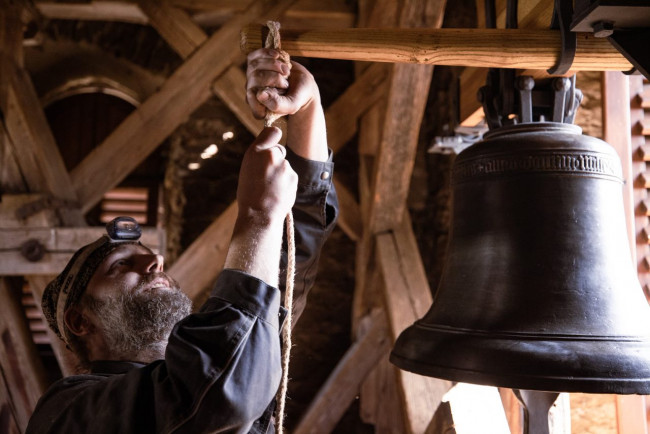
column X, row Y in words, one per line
column 267, row 183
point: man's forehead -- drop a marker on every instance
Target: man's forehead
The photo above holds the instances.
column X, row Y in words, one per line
column 127, row 249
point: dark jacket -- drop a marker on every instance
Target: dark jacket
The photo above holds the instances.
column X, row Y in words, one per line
column 222, row 365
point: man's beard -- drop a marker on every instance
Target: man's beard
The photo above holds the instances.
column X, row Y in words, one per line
column 140, row 319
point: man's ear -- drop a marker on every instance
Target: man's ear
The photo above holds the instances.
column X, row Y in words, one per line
column 77, row 322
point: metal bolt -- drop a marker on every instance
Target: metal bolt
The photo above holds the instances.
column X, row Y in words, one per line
column 32, row 250
column 603, row 29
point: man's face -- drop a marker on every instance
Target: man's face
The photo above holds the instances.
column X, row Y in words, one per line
column 133, row 302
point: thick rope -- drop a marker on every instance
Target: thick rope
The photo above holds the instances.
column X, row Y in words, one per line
column 273, row 41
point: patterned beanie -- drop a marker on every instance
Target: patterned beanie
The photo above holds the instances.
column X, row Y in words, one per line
column 68, row 287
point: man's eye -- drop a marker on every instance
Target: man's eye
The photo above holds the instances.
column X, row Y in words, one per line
column 119, row 263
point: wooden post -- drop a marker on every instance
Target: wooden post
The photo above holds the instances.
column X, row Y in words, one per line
column 617, row 128
column 22, row 369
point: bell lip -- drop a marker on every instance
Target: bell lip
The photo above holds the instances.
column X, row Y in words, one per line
column 533, row 127
column 614, row 367
column 617, row 386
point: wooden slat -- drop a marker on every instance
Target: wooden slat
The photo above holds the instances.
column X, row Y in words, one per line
column 407, row 299
column 203, row 260
column 342, row 386
column 483, row 48
column 644, row 180
column 68, row 361
column 187, row 88
column 643, row 97
column 22, row 368
column 645, row 125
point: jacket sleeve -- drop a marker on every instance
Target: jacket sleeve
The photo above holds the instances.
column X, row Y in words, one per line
column 315, row 213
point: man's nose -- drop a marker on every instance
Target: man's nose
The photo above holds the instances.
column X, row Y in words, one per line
column 152, row 263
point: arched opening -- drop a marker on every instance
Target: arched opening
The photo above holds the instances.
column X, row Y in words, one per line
column 80, row 121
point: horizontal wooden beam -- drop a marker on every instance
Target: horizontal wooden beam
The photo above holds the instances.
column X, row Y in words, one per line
column 306, row 13
column 58, row 246
column 484, row 48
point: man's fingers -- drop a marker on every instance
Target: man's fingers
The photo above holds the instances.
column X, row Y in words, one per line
column 269, row 138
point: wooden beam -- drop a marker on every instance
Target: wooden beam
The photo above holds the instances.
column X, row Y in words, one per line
column 350, row 216
column 21, row 367
column 407, row 98
column 342, row 116
column 11, row 179
column 200, row 264
column 230, row 87
column 407, row 299
column 26, row 126
column 156, row 118
column 483, row 48
column 174, row 25
column 306, row 13
column 343, row 384
column 57, row 244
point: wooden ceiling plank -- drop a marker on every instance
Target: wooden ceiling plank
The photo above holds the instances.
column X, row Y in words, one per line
column 158, row 116
column 22, row 368
column 343, row 384
column 407, row 98
column 174, row 25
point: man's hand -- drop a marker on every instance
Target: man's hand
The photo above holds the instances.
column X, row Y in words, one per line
column 267, row 184
column 265, row 195
column 271, row 84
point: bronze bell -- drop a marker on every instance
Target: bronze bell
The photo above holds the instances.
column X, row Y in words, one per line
column 538, row 290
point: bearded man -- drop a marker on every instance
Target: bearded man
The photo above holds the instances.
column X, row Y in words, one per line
column 151, row 365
